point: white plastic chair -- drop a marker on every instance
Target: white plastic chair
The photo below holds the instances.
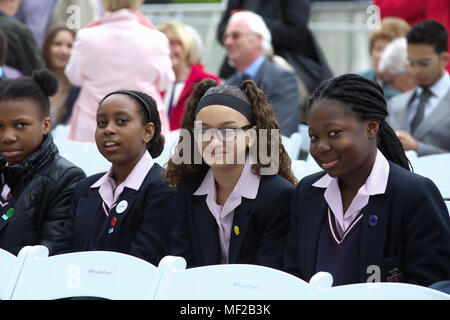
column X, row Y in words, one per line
column 322, row 281
column 437, row 168
column 292, row 145
column 101, row 274
column 231, row 282
column 10, row 266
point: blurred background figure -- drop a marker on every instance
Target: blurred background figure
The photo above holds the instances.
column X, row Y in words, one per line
column 247, row 41
column 415, row 11
column 120, row 51
column 291, row 38
column 394, row 66
column 185, row 55
column 76, row 14
column 23, row 53
column 56, row 52
column 36, row 15
column 390, row 29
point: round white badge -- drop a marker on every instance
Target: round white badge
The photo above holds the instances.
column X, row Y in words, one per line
column 121, row 206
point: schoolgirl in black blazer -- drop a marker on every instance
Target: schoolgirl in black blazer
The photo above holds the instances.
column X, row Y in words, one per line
column 402, row 234
column 256, row 233
column 141, row 220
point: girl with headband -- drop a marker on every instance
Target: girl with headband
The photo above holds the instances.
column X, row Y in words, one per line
column 129, row 209
column 230, row 207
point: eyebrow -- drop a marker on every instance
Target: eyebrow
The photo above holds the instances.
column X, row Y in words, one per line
column 221, row 124
column 117, row 113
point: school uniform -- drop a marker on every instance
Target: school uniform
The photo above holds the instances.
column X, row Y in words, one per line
column 137, row 219
column 250, row 228
column 402, row 234
column 35, row 198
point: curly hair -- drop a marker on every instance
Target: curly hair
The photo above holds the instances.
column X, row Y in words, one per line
column 264, row 118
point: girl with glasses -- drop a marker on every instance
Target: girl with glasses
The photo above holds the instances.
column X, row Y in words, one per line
column 232, row 205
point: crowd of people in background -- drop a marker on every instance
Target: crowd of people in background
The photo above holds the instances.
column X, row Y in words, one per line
column 121, row 82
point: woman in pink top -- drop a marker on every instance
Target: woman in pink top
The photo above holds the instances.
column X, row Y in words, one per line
column 115, row 53
column 233, row 204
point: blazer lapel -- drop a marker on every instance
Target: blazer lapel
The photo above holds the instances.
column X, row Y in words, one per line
column 126, row 200
column 373, row 232
column 314, row 213
column 239, row 228
column 206, row 230
column 87, row 209
column 442, row 111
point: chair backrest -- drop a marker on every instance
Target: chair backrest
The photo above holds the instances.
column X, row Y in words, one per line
column 437, row 168
column 232, row 282
column 10, row 267
column 102, row 274
column 381, row 291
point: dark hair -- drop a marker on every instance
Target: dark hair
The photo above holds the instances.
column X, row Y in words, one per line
column 3, row 48
column 429, row 32
column 263, row 117
column 366, row 99
column 48, row 43
column 156, row 145
column 38, row 88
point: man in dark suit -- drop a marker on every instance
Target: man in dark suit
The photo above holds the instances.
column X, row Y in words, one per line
column 421, row 117
column 247, row 41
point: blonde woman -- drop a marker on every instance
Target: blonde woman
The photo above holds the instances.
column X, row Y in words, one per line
column 185, row 50
column 121, row 51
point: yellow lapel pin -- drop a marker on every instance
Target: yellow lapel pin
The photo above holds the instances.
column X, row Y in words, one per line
column 236, row 230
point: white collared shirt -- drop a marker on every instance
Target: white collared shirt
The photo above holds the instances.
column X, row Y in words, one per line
column 439, row 89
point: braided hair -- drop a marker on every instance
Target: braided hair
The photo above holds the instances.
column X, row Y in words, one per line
column 366, row 99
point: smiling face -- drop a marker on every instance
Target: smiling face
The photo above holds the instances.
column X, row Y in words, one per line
column 22, row 128
column 342, row 144
column 121, row 136
column 225, row 150
column 61, row 48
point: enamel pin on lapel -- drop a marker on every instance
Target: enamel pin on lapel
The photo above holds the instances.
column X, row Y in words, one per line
column 121, row 206
column 8, row 214
column 236, row 230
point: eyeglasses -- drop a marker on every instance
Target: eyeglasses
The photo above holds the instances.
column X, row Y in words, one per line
column 223, row 134
column 174, row 42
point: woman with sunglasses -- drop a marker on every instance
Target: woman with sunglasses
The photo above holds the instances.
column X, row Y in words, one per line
column 234, row 184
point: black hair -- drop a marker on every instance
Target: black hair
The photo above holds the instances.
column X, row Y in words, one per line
column 156, row 145
column 429, row 32
column 366, row 99
column 38, row 88
column 3, row 48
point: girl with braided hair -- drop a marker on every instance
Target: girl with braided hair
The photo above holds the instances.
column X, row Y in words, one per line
column 232, row 205
column 366, row 217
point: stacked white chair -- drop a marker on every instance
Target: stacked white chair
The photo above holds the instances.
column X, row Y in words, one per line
column 101, row 274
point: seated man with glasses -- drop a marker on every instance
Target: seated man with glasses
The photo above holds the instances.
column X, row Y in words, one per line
column 247, row 41
column 421, row 117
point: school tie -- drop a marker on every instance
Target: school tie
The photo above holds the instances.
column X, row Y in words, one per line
column 418, row 117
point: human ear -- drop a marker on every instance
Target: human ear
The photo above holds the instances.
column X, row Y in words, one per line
column 46, row 125
column 444, row 58
column 373, row 125
column 149, row 132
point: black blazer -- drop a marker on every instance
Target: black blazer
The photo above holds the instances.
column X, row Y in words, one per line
column 412, row 232
column 143, row 230
column 263, row 224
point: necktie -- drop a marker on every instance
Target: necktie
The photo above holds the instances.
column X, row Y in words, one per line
column 418, row 117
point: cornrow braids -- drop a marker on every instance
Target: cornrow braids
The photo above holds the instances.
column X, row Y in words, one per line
column 365, row 98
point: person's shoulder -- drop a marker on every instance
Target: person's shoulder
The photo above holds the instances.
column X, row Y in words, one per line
column 401, row 99
column 60, row 167
column 403, row 179
column 276, row 182
column 199, row 73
